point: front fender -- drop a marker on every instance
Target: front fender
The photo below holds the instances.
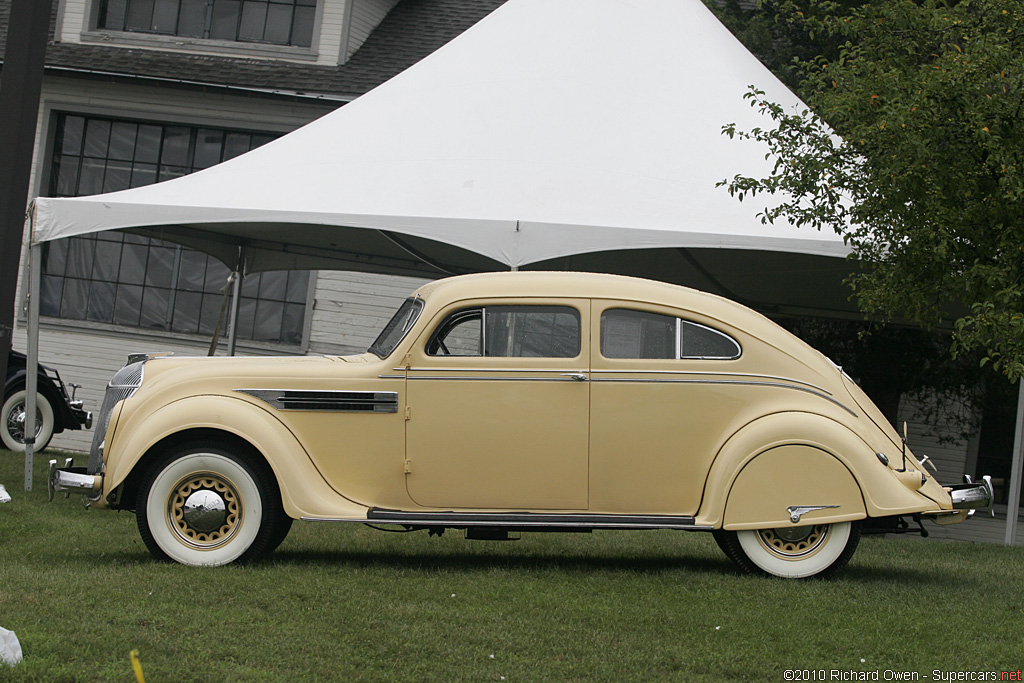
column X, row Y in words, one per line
column 304, row 492
column 882, row 491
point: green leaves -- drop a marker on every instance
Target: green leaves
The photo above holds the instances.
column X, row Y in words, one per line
column 913, row 153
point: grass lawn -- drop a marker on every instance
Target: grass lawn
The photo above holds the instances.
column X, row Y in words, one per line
column 342, row 602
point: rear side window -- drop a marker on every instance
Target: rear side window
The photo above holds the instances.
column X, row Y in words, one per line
column 509, row 332
column 626, row 333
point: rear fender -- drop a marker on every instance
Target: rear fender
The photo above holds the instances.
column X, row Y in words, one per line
column 141, row 434
column 790, row 485
column 829, row 448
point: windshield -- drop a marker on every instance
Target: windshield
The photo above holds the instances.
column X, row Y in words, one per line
column 396, row 329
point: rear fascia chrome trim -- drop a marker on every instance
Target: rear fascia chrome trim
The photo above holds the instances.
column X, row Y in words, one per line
column 327, row 401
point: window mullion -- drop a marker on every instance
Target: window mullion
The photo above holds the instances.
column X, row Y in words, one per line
column 208, row 22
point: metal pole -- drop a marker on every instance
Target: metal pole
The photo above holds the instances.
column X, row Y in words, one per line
column 1013, row 504
column 35, row 258
column 236, row 292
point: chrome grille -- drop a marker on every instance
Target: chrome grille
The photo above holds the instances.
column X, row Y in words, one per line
column 125, row 382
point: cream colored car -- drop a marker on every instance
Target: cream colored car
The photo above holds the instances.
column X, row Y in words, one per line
column 514, row 402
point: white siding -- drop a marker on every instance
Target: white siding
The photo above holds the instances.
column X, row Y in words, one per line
column 947, row 450
column 91, row 358
column 366, row 15
column 331, row 32
column 350, row 309
column 71, row 20
column 950, row 453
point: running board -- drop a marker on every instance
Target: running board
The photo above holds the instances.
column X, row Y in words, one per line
column 527, row 520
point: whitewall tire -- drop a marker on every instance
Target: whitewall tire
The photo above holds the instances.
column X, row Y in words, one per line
column 819, row 550
column 12, row 422
column 209, row 506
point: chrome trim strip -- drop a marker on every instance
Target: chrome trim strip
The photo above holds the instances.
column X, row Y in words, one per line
column 705, row 373
column 496, row 370
column 594, row 371
column 327, row 400
column 522, row 520
column 639, row 380
column 779, row 385
column 563, row 377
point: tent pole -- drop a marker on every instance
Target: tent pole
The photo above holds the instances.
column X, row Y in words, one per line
column 236, row 292
column 32, row 358
column 1013, row 504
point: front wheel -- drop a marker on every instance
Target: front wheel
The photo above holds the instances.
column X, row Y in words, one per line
column 210, row 506
column 820, row 550
column 12, row 422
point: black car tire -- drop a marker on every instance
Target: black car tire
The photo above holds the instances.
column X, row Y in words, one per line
column 12, row 430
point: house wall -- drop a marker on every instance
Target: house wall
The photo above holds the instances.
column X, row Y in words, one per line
column 364, row 16
column 953, row 456
column 350, row 309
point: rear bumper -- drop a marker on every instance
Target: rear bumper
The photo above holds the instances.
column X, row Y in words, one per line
column 972, row 495
column 73, row 480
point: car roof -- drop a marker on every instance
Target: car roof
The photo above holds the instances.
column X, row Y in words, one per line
column 551, row 284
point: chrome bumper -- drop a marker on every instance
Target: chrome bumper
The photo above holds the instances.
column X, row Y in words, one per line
column 973, row 495
column 72, row 479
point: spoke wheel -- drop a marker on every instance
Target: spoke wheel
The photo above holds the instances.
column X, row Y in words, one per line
column 793, row 552
column 210, row 506
column 13, row 418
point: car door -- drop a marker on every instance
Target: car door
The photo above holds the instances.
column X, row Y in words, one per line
column 498, row 407
column 664, row 393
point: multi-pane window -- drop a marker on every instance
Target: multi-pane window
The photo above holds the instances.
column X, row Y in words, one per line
column 123, row 279
column 280, row 22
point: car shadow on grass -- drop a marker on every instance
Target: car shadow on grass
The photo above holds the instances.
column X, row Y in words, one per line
column 471, row 561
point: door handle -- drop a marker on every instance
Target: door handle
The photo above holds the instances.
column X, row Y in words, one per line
column 577, row 376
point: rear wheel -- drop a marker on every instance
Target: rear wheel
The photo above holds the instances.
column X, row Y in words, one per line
column 203, row 505
column 793, row 552
column 12, row 422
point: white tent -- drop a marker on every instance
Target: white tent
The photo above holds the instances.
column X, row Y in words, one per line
column 551, row 128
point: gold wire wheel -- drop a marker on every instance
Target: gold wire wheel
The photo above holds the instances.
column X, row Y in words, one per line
column 796, row 542
column 204, row 511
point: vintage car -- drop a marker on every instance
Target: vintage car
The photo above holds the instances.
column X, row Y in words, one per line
column 56, row 410
column 512, row 402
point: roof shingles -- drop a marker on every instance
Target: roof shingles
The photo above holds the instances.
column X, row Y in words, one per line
column 410, row 32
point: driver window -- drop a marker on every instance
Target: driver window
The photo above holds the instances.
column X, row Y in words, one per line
column 509, row 332
column 461, row 334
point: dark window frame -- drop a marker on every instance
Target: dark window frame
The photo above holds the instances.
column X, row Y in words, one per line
column 289, row 23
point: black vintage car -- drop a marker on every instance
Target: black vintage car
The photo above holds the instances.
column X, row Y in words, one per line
column 56, row 410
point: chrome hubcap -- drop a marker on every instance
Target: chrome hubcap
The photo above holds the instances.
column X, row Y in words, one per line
column 204, row 511
column 794, row 542
column 16, row 422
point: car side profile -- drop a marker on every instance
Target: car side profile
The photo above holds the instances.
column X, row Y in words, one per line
column 512, row 402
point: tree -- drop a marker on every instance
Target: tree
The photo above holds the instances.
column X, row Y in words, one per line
column 912, row 151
